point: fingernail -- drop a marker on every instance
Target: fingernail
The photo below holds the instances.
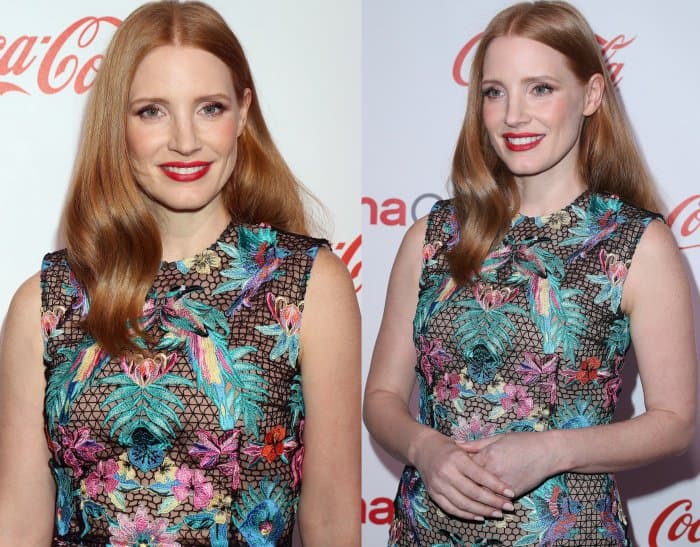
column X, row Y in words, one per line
column 497, row 514
column 508, row 506
column 508, row 492
column 480, row 519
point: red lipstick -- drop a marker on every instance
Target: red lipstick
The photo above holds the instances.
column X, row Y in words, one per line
column 519, row 142
column 185, row 171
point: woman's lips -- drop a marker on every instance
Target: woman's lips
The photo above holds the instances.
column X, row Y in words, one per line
column 519, row 142
column 182, row 171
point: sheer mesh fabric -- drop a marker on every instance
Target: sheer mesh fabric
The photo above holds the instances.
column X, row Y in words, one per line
column 267, row 482
column 463, row 394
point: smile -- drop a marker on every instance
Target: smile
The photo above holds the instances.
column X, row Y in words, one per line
column 522, row 141
column 185, row 171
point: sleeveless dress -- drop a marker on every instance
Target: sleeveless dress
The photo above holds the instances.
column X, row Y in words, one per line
column 198, row 440
column 536, row 342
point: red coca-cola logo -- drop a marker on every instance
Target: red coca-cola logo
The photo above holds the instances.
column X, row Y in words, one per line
column 675, row 524
column 55, row 63
column 684, row 221
column 610, row 48
column 350, row 255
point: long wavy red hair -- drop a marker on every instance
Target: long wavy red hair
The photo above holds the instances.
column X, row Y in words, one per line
column 608, row 158
column 113, row 240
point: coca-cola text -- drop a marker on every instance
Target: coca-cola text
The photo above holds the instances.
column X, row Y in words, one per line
column 675, row 523
column 460, row 68
column 56, row 63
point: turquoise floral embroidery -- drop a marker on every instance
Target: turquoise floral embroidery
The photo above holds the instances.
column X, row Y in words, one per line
column 553, row 514
column 484, row 330
column 412, row 499
column 64, row 499
column 260, row 513
column 256, row 260
column 236, row 386
column 296, row 400
column 582, row 413
column 597, row 223
column 288, row 317
column 70, row 378
column 142, row 399
column 612, row 520
column 192, row 367
column 614, row 275
column 536, row 341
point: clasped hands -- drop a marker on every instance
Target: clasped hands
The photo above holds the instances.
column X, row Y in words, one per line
column 477, row 479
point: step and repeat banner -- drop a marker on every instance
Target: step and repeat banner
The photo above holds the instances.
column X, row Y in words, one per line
column 415, row 66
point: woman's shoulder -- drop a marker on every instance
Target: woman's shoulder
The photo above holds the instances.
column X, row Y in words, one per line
column 28, row 294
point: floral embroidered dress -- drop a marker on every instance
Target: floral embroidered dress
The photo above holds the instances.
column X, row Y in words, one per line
column 537, row 342
column 198, row 439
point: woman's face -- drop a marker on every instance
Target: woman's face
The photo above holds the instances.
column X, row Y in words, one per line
column 534, row 107
column 183, row 122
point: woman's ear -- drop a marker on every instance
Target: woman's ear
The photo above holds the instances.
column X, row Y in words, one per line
column 594, row 94
column 243, row 110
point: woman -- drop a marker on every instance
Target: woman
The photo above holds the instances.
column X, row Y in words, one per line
column 520, row 297
column 190, row 378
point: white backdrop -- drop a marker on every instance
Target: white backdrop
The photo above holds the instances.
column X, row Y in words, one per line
column 413, row 105
column 305, row 58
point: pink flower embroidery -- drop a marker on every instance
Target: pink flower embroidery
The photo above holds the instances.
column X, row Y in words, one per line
column 517, row 396
column 611, row 388
column 473, row 429
column 50, row 320
column 432, row 356
column 102, row 477
column 210, row 448
column 614, row 268
column 141, row 531
column 542, row 370
column 448, row 387
column 77, row 448
column 193, row 483
column 146, row 370
column 490, row 298
column 287, row 315
column 429, row 251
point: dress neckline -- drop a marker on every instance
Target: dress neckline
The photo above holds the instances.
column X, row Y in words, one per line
column 542, row 219
column 184, row 263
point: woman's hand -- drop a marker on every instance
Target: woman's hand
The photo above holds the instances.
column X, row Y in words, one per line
column 457, row 483
column 521, row 459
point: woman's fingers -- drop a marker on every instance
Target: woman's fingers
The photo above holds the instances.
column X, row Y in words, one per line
column 481, row 476
column 470, row 501
column 448, row 507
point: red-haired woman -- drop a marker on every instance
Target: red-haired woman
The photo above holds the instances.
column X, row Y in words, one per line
column 521, row 296
column 200, row 378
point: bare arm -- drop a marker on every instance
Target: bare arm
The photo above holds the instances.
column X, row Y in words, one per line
column 329, row 507
column 453, row 480
column 657, row 298
column 27, row 488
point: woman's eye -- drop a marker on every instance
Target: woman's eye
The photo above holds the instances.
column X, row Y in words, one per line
column 213, row 109
column 542, row 89
column 150, row 111
column 492, row 92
